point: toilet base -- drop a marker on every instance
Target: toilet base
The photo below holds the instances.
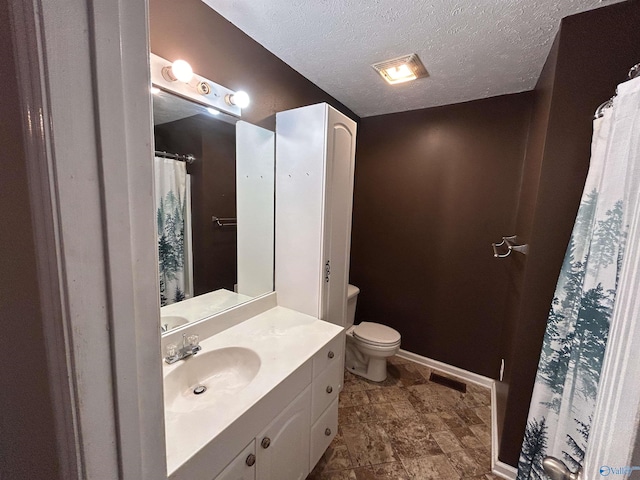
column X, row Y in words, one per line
column 375, row 370
column 363, row 364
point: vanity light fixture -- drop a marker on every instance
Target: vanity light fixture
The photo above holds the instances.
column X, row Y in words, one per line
column 154, row 90
column 240, row 99
column 180, row 70
column 213, row 111
column 178, row 77
column 401, row 69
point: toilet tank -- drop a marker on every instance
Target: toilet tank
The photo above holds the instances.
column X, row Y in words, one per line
column 352, row 298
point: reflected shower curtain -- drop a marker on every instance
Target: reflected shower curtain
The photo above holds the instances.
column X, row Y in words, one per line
column 171, row 210
column 566, row 386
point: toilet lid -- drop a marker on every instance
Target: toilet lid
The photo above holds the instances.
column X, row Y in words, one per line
column 376, row 333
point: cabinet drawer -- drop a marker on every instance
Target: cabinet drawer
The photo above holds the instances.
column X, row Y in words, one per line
column 330, row 354
column 243, row 467
column 323, row 432
column 326, row 387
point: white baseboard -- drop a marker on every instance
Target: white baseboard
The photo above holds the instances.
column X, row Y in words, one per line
column 499, row 468
column 450, row 369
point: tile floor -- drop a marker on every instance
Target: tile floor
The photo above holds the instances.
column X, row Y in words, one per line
column 409, row 428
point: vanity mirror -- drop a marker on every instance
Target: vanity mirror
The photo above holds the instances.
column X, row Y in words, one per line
column 214, row 188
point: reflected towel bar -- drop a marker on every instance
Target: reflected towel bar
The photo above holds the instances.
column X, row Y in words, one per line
column 224, row 222
column 511, row 244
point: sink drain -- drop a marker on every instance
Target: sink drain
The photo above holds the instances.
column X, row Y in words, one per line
column 199, row 389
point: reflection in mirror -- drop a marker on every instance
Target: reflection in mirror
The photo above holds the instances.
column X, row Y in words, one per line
column 206, row 266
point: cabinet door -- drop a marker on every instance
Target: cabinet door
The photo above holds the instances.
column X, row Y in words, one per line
column 341, row 144
column 243, row 467
column 283, row 447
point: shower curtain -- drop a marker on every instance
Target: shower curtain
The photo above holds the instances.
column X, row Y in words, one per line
column 171, row 213
column 584, row 304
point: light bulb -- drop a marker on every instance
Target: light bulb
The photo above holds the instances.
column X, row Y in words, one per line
column 154, row 90
column 213, row 111
column 240, row 99
column 182, row 71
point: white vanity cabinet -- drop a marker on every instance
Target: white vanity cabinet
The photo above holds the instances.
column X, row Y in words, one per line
column 328, row 376
column 283, row 447
column 315, row 159
column 284, row 440
column 243, row 467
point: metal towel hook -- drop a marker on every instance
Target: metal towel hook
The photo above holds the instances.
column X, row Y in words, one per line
column 511, row 246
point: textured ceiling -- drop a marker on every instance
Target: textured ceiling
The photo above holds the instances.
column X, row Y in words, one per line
column 472, row 49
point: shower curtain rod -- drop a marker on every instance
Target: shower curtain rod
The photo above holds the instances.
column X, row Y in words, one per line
column 176, row 156
column 633, row 73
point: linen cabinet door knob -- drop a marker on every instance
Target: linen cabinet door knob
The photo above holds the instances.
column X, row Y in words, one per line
column 331, row 354
column 327, row 432
column 266, row 441
column 251, row 460
column 329, row 389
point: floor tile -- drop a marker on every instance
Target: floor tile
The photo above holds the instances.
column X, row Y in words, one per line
column 384, row 411
column 368, row 444
column 467, row 438
column 483, row 432
column 404, row 409
column 411, row 439
column 408, row 427
column 337, row 475
column 335, row 458
column 436, row 467
column 464, row 463
column 385, row 471
column 433, row 422
column 447, row 441
column 353, row 399
column 484, row 414
column 469, row 415
column 388, row 395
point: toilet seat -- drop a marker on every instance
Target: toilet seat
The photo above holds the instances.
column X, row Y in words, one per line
column 377, row 335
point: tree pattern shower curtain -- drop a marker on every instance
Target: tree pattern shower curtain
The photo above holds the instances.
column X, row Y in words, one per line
column 170, row 191
column 566, row 386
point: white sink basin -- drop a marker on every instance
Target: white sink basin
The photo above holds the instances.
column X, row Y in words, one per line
column 223, row 372
column 172, row 321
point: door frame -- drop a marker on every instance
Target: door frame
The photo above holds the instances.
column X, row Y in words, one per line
column 86, row 118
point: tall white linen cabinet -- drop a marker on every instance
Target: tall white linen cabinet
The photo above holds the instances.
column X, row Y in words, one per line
column 315, row 161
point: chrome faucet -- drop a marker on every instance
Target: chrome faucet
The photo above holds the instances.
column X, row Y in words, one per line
column 190, row 346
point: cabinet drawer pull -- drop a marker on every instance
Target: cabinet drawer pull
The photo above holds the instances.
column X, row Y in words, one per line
column 330, row 354
column 329, row 389
column 266, row 441
column 327, row 432
column 251, row 460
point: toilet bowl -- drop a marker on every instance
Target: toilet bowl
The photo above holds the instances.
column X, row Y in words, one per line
column 368, row 344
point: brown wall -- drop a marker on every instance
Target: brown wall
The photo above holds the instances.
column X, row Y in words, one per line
column 593, row 53
column 218, row 50
column 433, row 189
column 28, row 437
column 526, row 210
column 213, row 192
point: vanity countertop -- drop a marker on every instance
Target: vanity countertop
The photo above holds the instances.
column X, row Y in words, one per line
column 284, row 340
column 205, row 305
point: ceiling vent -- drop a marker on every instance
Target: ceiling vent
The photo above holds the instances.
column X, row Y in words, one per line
column 401, row 69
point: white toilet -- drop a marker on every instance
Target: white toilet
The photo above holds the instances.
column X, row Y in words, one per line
column 368, row 344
